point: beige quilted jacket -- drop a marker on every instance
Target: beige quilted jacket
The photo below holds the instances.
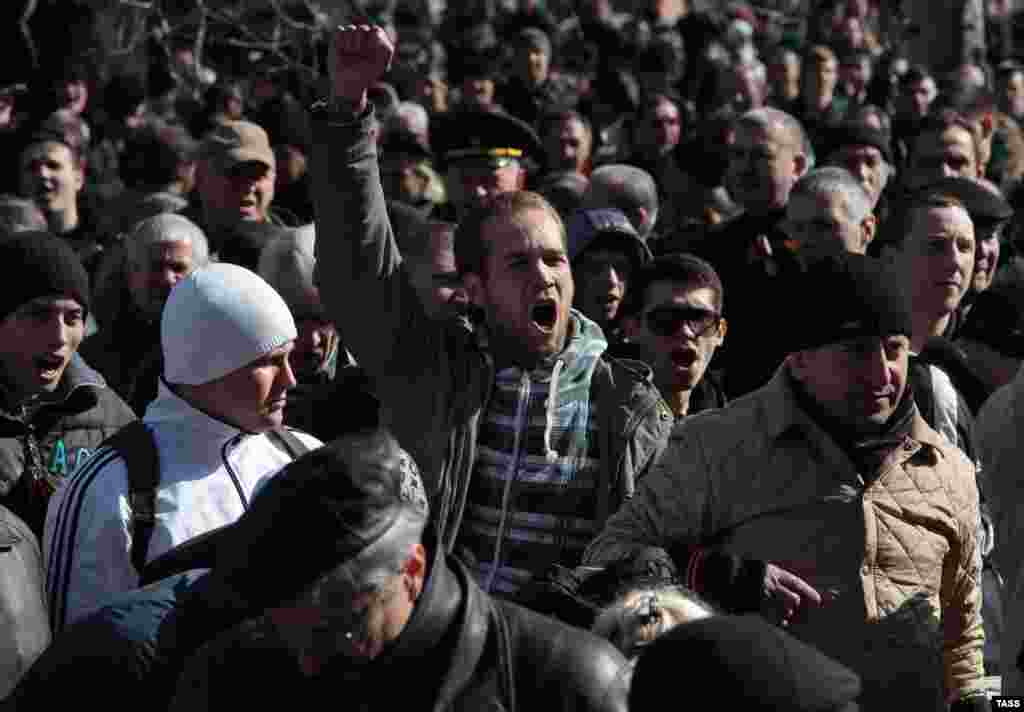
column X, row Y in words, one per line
column 893, row 555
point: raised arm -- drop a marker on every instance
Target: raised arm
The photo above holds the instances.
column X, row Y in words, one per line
column 358, row 260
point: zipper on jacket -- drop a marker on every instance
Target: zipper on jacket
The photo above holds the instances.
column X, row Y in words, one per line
column 231, row 471
column 522, row 413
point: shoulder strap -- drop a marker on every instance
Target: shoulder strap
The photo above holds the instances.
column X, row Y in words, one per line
column 200, row 552
column 286, row 441
column 135, row 444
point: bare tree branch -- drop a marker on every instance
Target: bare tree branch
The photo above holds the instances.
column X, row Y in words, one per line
column 26, row 32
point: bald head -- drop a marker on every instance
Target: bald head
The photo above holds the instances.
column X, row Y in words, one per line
column 627, row 188
column 768, row 156
column 767, row 117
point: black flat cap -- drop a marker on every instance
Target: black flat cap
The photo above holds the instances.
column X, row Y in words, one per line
column 854, row 134
column 981, row 202
column 996, row 318
column 862, row 296
column 754, row 664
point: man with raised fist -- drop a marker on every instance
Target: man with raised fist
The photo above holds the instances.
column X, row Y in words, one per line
column 528, row 435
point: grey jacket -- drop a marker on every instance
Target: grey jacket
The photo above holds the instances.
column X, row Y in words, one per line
column 434, row 380
column 43, row 446
column 24, row 625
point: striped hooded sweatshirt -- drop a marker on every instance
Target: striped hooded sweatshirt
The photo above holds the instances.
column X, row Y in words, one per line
column 533, row 493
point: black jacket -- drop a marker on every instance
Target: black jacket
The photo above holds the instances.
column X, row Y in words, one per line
column 461, row 651
column 757, row 301
column 40, row 447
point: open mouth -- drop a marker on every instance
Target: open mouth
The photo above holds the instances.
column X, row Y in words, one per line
column 543, row 315
column 48, row 364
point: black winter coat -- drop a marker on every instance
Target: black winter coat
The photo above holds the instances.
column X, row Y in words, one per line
column 41, row 447
column 462, row 651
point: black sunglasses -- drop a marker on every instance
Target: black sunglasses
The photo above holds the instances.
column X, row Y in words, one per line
column 666, row 321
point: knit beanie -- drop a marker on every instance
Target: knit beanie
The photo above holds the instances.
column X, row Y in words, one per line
column 46, row 266
column 217, row 320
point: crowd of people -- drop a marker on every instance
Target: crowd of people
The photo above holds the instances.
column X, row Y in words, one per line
column 542, row 356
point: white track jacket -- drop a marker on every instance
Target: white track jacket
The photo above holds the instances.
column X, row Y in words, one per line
column 209, row 471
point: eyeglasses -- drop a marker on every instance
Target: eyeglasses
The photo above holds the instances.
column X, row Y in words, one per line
column 666, row 321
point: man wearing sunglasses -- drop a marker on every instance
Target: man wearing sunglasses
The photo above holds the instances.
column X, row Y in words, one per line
column 825, row 501
column 672, row 314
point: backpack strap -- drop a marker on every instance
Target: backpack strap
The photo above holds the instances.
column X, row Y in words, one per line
column 200, row 552
column 286, row 441
column 134, row 443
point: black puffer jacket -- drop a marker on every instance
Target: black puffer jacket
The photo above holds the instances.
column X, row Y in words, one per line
column 40, row 447
column 462, row 651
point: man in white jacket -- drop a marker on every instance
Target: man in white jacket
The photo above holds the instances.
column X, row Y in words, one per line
column 226, row 336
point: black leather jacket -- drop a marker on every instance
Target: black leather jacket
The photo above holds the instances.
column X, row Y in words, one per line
column 461, row 651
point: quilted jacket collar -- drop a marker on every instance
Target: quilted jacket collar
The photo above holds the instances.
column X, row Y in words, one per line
column 784, row 416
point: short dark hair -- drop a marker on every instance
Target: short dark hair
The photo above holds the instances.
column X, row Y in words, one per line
column 551, row 119
column 69, row 131
column 153, row 155
column 903, row 219
column 940, row 121
column 471, row 249
column 1007, row 68
column 818, row 54
column 684, row 269
column 915, row 74
column 421, row 248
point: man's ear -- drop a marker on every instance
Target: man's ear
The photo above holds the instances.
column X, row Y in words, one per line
column 474, row 288
column 415, row 570
column 640, row 220
column 521, row 180
column 723, row 327
column 868, row 227
column 797, row 362
column 799, row 164
column 630, row 327
column 79, row 176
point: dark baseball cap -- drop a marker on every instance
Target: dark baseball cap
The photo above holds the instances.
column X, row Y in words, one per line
column 605, row 228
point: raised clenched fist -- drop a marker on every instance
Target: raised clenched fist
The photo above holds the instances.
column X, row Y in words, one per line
column 360, row 55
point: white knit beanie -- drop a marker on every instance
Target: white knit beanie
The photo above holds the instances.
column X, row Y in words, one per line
column 218, row 319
